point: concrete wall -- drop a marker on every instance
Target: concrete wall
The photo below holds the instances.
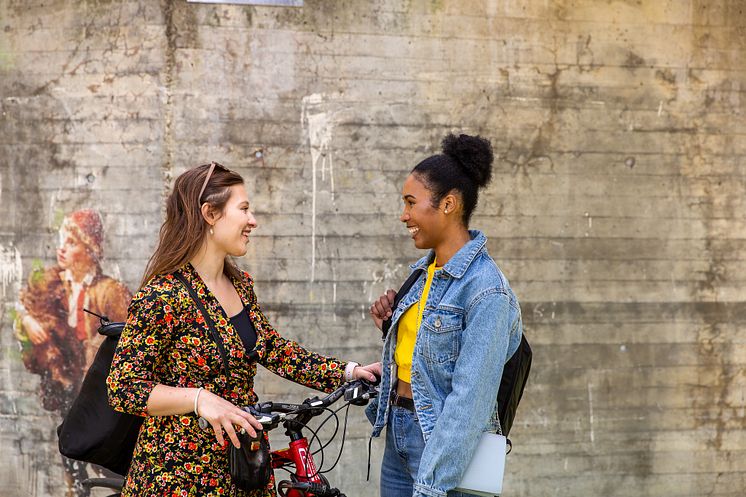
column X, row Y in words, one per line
column 616, row 208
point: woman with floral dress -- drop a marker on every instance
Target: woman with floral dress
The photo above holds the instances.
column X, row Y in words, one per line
column 168, row 368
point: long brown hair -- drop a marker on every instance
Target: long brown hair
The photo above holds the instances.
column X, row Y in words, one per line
column 184, row 229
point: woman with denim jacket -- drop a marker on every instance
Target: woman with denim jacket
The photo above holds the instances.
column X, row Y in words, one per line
column 450, row 335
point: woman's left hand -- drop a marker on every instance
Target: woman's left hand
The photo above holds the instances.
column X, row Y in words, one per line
column 371, row 372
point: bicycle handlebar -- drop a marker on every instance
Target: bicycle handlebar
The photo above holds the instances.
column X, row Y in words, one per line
column 270, row 414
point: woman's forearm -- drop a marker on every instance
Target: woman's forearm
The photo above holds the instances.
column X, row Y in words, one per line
column 169, row 401
column 222, row 415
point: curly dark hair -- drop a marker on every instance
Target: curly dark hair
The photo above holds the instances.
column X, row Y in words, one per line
column 465, row 165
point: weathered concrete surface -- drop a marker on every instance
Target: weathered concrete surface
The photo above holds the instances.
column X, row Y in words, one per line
column 616, row 209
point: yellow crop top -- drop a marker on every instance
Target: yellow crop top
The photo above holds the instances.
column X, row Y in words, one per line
column 406, row 335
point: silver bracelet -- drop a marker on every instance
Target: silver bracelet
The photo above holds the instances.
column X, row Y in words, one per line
column 196, row 399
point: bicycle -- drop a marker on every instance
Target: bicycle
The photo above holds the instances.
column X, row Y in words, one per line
column 306, row 480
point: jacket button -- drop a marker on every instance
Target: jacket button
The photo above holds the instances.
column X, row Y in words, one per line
column 437, row 322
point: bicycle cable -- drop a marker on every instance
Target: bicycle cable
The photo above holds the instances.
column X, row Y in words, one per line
column 344, row 437
column 332, row 414
column 309, row 454
column 319, row 470
column 315, row 436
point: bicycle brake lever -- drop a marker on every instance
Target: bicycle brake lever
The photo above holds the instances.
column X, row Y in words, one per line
column 313, row 402
column 361, row 393
column 356, row 396
column 264, row 418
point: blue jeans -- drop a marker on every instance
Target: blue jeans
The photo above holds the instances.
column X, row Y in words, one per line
column 401, row 457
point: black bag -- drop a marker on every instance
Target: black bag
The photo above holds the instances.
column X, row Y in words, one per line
column 512, row 383
column 250, row 466
column 93, row 431
column 515, row 372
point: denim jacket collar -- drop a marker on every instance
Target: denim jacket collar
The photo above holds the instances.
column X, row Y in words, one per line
column 459, row 263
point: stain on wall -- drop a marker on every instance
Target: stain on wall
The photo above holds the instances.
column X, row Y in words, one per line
column 615, row 210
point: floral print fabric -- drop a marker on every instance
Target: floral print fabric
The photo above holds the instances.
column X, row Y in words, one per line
column 166, row 340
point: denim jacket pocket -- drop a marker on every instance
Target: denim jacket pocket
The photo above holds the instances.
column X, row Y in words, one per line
column 442, row 330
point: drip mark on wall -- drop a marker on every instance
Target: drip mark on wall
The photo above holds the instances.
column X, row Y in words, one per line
column 11, row 269
column 590, row 411
column 317, row 124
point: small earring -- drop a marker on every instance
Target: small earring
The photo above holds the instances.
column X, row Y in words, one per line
column 445, row 211
column 211, row 231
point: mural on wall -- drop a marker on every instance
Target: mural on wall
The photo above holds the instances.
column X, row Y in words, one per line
column 58, row 339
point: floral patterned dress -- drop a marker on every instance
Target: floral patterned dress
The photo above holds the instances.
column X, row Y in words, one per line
column 166, row 340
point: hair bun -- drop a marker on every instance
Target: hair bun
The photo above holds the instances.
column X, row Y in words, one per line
column 473, row 154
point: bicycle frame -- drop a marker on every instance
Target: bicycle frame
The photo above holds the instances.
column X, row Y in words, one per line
column 298, row 454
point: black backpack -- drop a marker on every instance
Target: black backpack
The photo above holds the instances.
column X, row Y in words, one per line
column 92, row 431
column 515, row 372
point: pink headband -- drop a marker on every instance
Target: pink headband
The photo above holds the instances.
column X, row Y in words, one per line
column 207, row 180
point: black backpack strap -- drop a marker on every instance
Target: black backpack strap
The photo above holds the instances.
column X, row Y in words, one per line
column 208, row 319
column 401, row 293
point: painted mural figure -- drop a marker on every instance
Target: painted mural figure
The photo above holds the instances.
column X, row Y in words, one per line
column 59, row 340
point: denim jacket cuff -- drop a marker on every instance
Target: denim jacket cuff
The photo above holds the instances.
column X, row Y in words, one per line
column 421, row 490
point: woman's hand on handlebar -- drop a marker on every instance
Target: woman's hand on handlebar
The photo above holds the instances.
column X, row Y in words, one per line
column 382, row 309
column 371, row 372
column 224, row 416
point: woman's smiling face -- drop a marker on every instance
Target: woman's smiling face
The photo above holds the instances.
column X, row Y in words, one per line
column 425, row 223
column 232, row 228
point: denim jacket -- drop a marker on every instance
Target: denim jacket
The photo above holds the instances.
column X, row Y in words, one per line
column 471, row 325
